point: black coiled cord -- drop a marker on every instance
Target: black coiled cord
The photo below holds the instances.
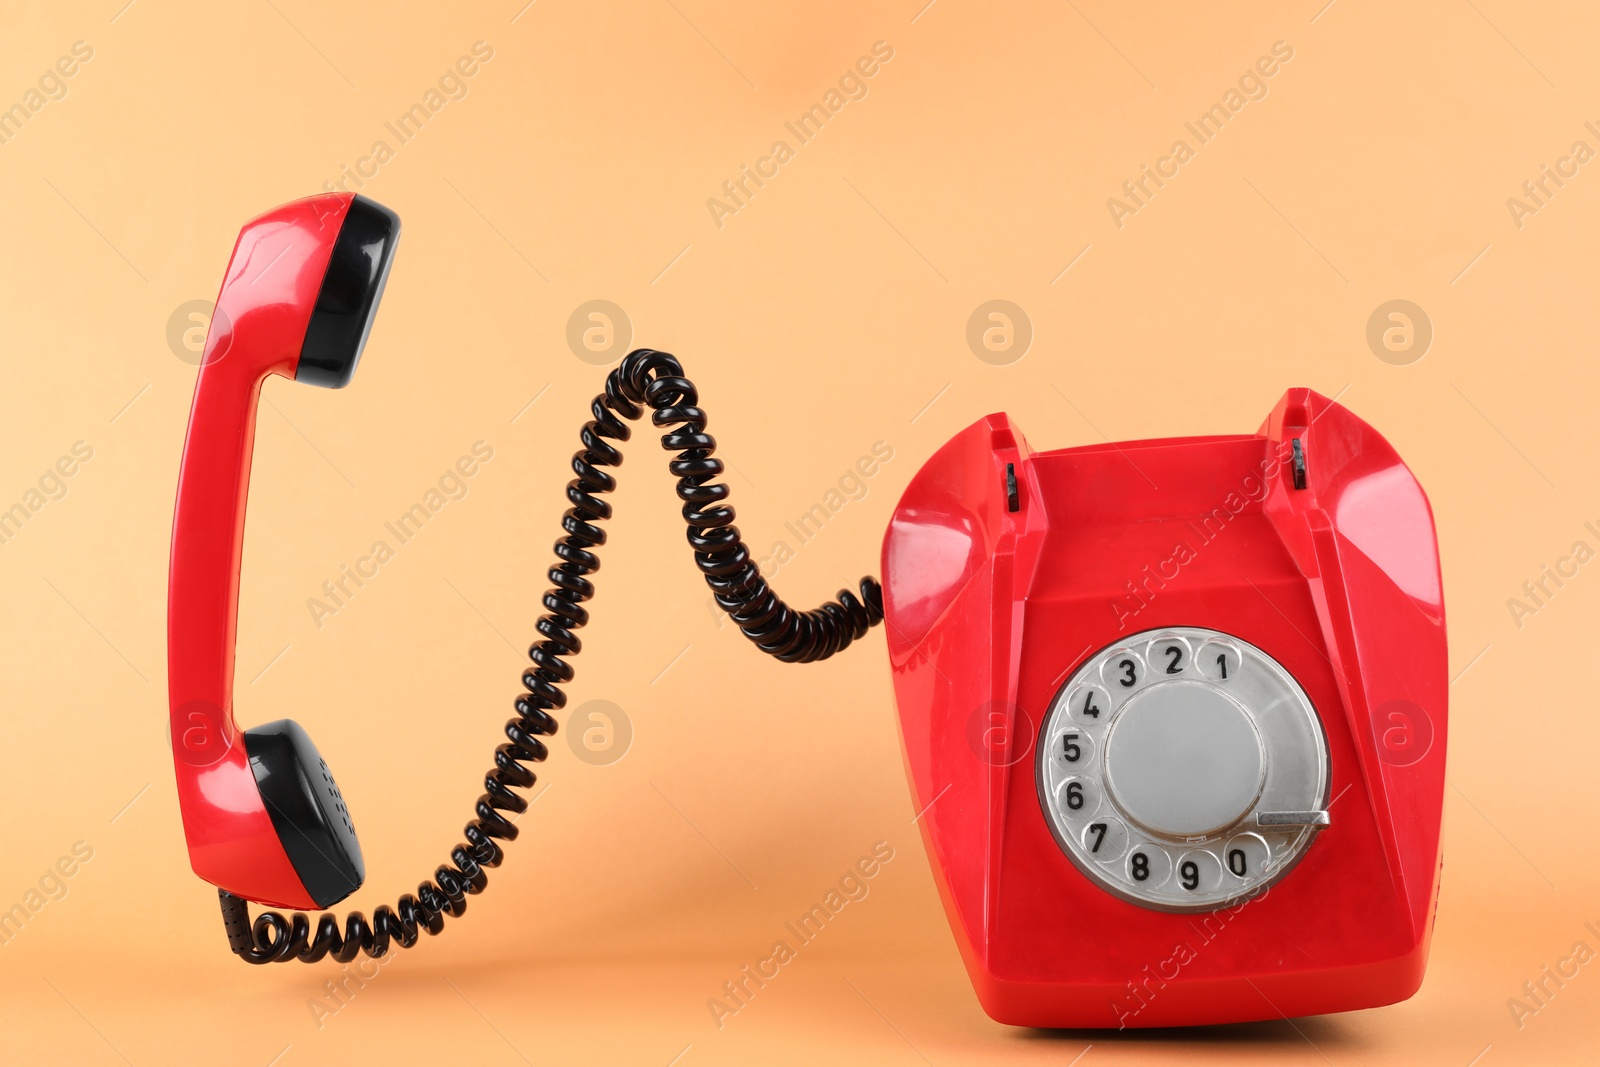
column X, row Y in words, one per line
column 645, row 378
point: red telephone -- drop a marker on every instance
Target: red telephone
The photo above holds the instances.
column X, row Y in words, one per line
column 1174, row 715
column 1174, row 711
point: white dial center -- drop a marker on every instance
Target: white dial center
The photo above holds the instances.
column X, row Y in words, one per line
column 1184, row 759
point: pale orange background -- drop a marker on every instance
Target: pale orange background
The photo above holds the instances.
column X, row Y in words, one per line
column 821, row 318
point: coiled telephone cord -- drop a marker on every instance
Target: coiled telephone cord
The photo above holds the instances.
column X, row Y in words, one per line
column 644, row 379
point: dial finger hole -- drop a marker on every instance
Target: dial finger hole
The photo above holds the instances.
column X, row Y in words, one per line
column 1122, row 670
column 1088, row 706
column 1169, row 656
column 1220, row 661
column 1199, row 872
column 1148, row 866
column 1105, row 840
column 1078, row 798
column 1073, row 750
column 1246, row 856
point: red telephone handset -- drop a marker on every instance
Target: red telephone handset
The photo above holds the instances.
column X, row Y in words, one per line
column 261, row 813
column 1175, row 713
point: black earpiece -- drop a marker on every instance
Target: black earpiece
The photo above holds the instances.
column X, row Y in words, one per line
column 357, row 271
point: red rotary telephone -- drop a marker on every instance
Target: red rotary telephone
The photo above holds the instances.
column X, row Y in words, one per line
column 1174, row 713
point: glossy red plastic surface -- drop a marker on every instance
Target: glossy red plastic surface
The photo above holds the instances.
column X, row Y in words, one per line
column 266, row 301
column 988, row 611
